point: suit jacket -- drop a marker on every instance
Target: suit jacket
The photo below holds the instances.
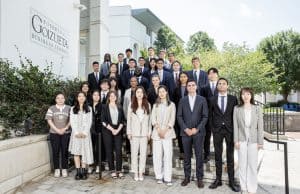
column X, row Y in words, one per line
column 256, row 132
column 137, row 127
column 178, row 96
column 93, row 83
column 207, row 93
column 106, row 118
column 96, row 125
column 175, row 83
column 127, row 100
column 217, row 119
column 202, row 81
column 104, row 69
column 126, row 78
column 143, row 82
column 147, row 61
column 192, row 119
column 152, row 95
column 125, row 63
column 124, row 67
column 168, row 82
column 145, row 73
column 167, row 123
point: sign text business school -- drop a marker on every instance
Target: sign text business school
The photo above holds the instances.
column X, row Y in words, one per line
column 47, row 33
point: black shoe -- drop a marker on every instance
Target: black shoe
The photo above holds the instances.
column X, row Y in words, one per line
column 185, row 182
column 234, row 187
column 215, row 184
column 84, row 173
column 200, row 184
column 78, row 174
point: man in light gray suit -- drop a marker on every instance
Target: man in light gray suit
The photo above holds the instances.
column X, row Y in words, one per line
column 192, row 116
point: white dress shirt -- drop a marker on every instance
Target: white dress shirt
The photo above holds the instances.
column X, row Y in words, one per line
column 225, row 101
column 192, row 100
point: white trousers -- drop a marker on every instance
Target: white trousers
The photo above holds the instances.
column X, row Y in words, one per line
column 162, row 159
column 248, row 154
column 138, row 145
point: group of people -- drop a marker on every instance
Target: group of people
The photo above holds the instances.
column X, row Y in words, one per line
column 153, row 101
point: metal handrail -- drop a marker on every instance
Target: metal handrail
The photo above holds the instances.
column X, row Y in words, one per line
column 286, row 172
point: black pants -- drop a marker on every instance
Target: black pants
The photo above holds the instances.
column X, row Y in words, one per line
column 207, row 142
column 197, row 141
column 218, row 144
column 113, row 143
column 96, row 151
column 178, row 137
column 60, row 144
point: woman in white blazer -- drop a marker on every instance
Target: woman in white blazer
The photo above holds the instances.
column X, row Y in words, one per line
column 163, row 120
column 248, row 139
column 139, row 131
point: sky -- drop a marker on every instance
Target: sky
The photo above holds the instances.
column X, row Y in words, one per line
column 234, row 21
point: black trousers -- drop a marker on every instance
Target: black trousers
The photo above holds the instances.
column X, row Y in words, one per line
column 187, row 141
column 178, row 137
column 113, row 143
column 207, row 141
column 96, row 151
column 60, row 145
column 218, row 144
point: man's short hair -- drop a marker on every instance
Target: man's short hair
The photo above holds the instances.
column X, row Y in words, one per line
column 128, row 50
column 95, row 63
column 213, row 69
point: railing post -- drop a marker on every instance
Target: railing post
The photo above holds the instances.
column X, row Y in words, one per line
column 286, row 175
column 277, row 128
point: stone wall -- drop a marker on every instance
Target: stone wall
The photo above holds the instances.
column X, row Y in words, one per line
column 23, row 159
column 292, row 121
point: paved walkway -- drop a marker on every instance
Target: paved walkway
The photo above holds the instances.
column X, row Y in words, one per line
column 270, row 177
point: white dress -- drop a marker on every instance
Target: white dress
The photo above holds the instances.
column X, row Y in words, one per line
column 81, row 123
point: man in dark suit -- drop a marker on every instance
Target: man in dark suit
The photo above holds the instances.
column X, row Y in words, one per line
column 176, row 69
column 142, row 81
column 128, row 53
column 121, row 65
column 144, row 70
column 192, row 117
column 165, row 76
column 221, row 120
column 198, row 75
column 127, row 74
column 151, row 54
column 95, row 77
column 208, row 91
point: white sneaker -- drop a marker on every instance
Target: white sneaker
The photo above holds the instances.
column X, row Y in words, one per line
column 64, row 173
column 57, row 173
column 169, row 184
column 141, row 178
column 136, row 177
column 159, row 181
column 97, row 169
column 90, row 170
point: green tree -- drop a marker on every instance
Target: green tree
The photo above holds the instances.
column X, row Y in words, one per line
column 200, row 42
column 167, row 40
column 283, row 50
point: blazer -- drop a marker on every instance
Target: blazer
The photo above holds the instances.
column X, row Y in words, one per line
column 167, row 123
column 126, row 78
column 96, row 125
column 145, row 73
column 138, row 128
column 202, row 81
column 192, row 119
column 217, row 119
column 178, row 96
column 256, row 132
column 106, row 118
column 93, row 83
column 124, row 67
column 168, row 82
column 104, row 69
column 143, row 82
column 207, row 93
column 152, row 95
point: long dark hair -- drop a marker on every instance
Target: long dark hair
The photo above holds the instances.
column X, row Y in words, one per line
column 85, row 107
column 158, row 100
column 85, row 83
column 114, row 79
column 107, row 57
column 96, row 91
column 246, row 89
column 185, row 73
column 145, row 103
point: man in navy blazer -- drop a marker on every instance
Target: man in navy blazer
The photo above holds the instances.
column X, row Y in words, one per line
column 192, row 116
column 144, row 70
column 208, row 91
column 198, row 75
column 127, row 74
column 166, row 77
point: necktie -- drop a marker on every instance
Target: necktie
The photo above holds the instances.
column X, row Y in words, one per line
column 213, row 88
column 131, row 72
column 97, row 78
column 195, row 76
column 222, row 104
column 176, row 78
column 120, row 68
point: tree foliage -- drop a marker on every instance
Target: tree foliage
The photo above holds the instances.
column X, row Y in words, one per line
column 283, row 50
column 200, row 42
